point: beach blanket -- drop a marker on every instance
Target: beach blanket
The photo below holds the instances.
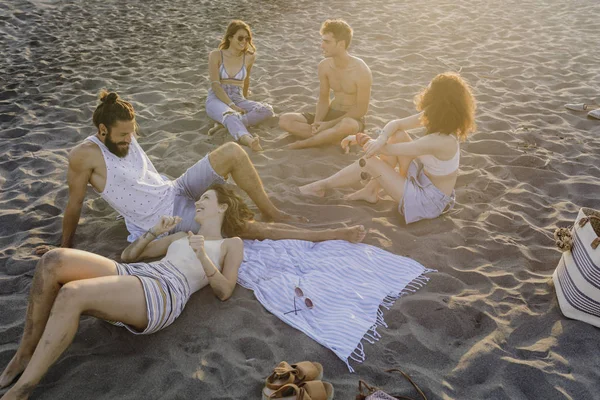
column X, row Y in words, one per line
column 347, row 286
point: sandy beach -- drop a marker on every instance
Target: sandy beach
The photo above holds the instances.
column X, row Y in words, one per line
column 487, row 326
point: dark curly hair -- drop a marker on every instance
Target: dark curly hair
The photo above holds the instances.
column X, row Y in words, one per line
column 237, row 214
column 448, row 106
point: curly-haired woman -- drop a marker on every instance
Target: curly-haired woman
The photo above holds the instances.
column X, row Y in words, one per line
column 427, row 168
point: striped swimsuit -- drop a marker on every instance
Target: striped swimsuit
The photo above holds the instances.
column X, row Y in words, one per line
column 169, row 283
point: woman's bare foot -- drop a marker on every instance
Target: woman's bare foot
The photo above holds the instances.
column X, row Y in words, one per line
column 312, row 189
column 252, row 142
column 365, row 194
column 18, row 393
column 354, row 234
column 14, row 368
column 214, row 129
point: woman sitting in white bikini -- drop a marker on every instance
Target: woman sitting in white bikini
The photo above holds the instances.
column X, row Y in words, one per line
column 229, row 67
column 427, row 171
column 142, row 297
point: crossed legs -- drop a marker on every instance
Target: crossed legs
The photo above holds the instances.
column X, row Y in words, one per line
column 297, row 125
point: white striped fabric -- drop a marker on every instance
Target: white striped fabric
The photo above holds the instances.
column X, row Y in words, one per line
column 348, row 284
column 166, row 290
column 577, row 277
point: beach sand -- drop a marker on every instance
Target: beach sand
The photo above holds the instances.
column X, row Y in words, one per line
column 487, row 326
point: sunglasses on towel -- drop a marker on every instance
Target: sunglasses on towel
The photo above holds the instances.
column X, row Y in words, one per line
column 307, row 302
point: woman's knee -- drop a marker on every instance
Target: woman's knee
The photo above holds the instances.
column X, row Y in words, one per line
column 52, row 261
column 71, row 295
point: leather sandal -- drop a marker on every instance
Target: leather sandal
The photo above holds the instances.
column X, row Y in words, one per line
column 312, row 390
column 297, row 373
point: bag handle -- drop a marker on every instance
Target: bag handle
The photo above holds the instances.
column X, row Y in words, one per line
column 408, row 378
column 584, row 221
column 370, row 389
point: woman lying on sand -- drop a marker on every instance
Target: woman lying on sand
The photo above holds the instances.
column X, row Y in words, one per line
column 229, row 68
column 427, row 171
column 143, row 297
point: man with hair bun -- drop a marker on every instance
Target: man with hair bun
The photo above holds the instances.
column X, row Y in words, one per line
column 349, row 78
column 118, row 169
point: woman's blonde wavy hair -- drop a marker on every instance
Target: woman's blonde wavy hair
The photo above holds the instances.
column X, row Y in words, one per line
column 237, row 214
column 448, row 106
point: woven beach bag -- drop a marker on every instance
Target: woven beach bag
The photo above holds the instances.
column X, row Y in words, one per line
column 577, row 277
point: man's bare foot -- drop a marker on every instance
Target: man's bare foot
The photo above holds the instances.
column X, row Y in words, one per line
column 293, row 146
column 354, row 234
column 365, row 194
column 312, row 189
column 14, row 368
column 252, row 142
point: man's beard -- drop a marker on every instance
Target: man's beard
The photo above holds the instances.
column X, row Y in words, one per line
column 113, row 147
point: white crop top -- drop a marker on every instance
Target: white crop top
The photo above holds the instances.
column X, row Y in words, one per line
column 434, row 166
column 182, row 256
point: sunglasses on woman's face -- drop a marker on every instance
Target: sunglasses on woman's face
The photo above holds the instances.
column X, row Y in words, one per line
column 243, row 38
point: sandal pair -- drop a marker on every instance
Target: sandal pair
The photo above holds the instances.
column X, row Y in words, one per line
column 301, row 381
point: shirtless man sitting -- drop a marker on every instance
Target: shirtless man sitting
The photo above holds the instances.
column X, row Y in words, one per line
column 118, row 169
column 349, row 78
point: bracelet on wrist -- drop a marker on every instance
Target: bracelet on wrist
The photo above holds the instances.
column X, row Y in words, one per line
column 152, row 233
column 231, row 104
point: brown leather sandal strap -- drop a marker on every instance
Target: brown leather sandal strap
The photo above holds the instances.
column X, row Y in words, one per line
column 305, row 369
column 285, row 391
column 315, row 390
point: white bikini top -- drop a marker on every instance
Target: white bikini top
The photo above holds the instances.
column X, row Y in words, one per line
column 182, row 256
column 241, row 74
column 434, row 166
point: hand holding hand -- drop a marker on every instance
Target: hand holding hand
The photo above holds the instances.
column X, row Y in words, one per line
column 165, row 224
column 197, row 244
column 373, row 147
column 320, row 126
column 347, row 142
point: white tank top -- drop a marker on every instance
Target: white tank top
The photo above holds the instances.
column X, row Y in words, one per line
column 181, row 255
column 435, row 166
column 134, row 188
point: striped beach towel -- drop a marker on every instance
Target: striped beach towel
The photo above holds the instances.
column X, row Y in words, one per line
column 348, row 285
